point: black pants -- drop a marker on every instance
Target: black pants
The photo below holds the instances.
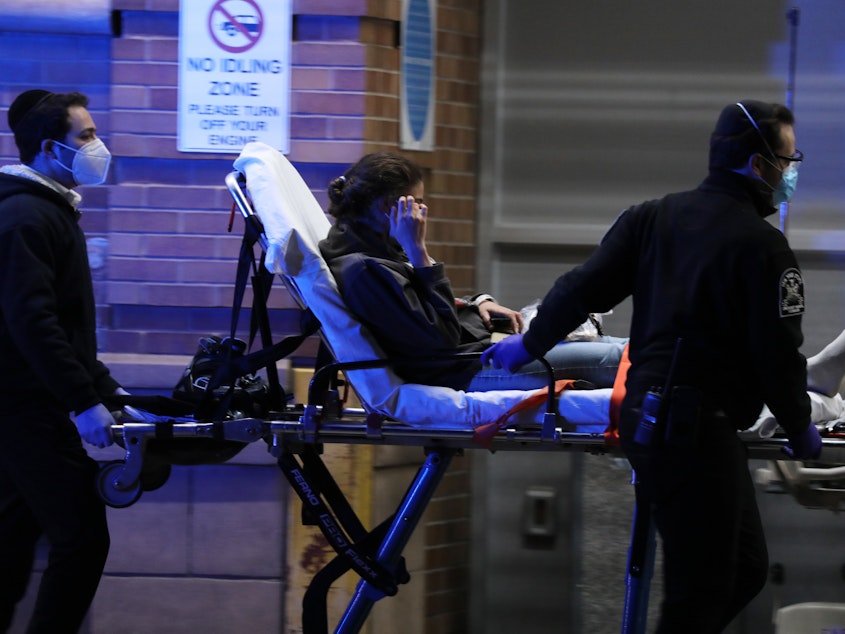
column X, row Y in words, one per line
column 47, row 487
column 715, row 559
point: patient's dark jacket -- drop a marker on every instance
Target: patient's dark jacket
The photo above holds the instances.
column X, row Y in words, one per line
column 706, row 266
column 411, row 312
column 48, row 347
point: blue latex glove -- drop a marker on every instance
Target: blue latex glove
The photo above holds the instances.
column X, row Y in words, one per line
column 509, row 354
column 94, row 425
column 804, row 446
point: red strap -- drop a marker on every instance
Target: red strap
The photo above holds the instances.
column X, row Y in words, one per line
column 484, row 434
column 231, row 217
column 611, row 434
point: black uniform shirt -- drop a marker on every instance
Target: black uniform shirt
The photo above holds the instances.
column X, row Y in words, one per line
column 704, row 265
column 48, row 346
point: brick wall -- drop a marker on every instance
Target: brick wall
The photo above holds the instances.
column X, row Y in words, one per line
column 169, row 263
column 170, row 260
column 41, row 62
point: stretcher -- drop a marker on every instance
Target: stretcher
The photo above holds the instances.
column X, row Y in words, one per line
column 283, row 218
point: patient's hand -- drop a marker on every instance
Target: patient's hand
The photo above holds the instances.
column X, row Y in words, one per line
column 489, row 309
column 407, row 226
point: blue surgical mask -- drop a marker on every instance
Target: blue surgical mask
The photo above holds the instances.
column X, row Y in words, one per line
column 786, row 187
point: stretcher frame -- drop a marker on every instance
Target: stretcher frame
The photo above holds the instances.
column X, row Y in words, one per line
column 295, row 439
column 295, row 435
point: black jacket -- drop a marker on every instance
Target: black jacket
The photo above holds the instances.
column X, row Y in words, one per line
column 704, row 265
column 410, row 311
column 48, row 347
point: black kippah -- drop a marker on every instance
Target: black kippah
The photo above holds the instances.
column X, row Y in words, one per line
column 25, row 103
column 733, row 121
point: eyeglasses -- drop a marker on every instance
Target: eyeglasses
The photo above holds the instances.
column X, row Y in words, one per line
column 794, row 159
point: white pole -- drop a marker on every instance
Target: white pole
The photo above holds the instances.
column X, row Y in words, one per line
column 792, row 19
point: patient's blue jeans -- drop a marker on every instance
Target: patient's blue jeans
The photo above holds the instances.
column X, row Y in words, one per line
column 593, row 361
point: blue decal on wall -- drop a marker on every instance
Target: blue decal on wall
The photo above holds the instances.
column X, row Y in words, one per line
column 418, row 65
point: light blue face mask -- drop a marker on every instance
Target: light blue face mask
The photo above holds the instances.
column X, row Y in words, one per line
column 786, row 187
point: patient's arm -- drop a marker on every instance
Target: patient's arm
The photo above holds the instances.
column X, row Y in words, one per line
column 489, row 309
column 826, row 369
column 408, row 310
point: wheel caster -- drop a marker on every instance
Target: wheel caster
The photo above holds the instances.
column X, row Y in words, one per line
column 107, row 486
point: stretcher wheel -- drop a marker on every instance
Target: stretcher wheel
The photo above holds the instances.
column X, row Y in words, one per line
column 154, row 475
column 107, row 486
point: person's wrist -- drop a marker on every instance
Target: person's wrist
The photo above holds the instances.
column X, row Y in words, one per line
column 480, row 299
column 420, row 259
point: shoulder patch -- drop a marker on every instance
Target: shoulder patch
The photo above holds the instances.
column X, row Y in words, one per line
column 791, row 293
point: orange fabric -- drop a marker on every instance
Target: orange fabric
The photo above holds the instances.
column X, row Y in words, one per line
column 611, row 434
column 484, row 434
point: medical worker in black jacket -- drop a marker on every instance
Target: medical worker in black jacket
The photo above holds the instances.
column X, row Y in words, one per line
column 706, row 268
column 51, row 384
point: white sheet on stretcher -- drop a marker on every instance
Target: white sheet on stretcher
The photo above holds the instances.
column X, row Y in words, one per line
column 823, row 410
column 294, row 224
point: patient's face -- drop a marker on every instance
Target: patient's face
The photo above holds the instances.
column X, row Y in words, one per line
column 418, row 192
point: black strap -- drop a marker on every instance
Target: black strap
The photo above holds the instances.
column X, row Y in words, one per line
column 314, row 601
column 246, row 262
column 336, row 533
column 262, row 281
column 261, row 358
column 226, row 375
column 316, row 468
column 233, row 368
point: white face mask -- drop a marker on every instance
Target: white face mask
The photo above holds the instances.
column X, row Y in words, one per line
column 91, row 163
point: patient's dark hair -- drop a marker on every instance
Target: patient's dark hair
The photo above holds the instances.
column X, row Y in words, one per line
column 376, row 176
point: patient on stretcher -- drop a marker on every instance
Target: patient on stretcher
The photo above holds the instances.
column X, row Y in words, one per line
column 377, row 252
column 292, row 226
